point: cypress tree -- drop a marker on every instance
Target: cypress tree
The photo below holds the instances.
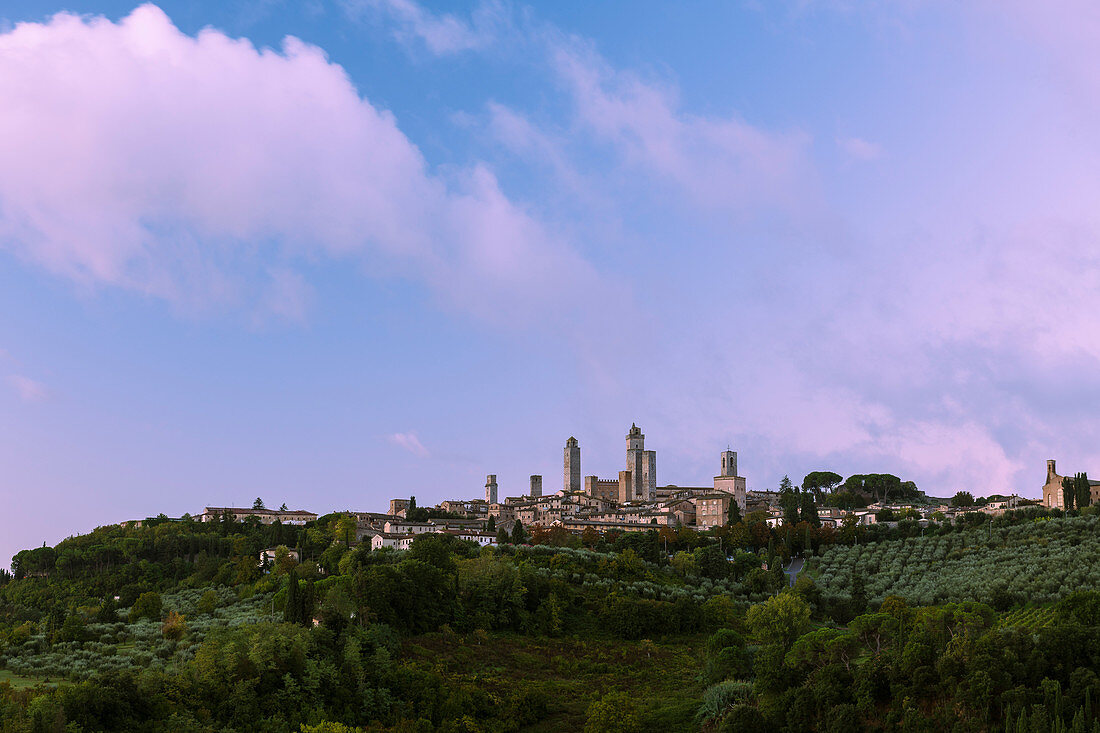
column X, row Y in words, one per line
column 1069, row 493
column 1084, row 494
column 306, row 605
column 733, row 516
column 292, row 610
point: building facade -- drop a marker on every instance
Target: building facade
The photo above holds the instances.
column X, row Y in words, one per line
column 1052, row 489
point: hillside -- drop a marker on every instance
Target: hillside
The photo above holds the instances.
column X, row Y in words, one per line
column 174, row 626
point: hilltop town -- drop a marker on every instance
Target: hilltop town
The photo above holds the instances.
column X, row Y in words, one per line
column 635, row 502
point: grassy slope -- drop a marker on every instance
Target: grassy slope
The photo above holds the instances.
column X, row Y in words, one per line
column 21, row 682
column 659, row 676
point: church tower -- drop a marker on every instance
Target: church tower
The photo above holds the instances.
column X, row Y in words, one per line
column 729, row 482
column 572, row 479
column 729, row 463
column 491, row 488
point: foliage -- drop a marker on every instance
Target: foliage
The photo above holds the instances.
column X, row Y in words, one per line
column 147, row 606
column 612, row 713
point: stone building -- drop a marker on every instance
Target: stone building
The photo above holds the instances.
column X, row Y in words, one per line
column 572, row 478
column 597, row 488
column 640, row 477
column 712, row 510
column 729, row 482
column 491, row 489
column 536, row 486
column 1052, row 489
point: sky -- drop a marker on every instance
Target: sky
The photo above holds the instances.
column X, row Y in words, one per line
column 330, row 252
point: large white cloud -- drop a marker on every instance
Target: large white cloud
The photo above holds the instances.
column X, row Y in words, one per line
column 201, row 169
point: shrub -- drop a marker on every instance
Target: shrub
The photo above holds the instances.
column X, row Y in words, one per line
column 721, row 698
column 148, row 605
column 175, row 626
column 612, row 713
column 744, row 719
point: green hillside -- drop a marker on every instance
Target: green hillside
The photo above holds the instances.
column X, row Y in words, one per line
column 174, row 626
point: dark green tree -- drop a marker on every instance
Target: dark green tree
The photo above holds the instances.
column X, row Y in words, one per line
column 1069, row 493
column 962, row 498
column 809, row 509
column 148, row 605
column 821, row 483
column 1084, row 491
column 733, row 514
column 292, row 610
column 519, row 534
column 258, row 504
column 491, row 525
column 789, row 501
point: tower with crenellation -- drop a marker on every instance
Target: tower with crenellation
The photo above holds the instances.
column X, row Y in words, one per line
column 639, row 481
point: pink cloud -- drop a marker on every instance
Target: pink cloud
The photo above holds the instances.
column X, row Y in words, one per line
column 441, row 34
column 28, row 389
column 859, row 148
column 199, row 169
column 410, row 442
column 717, row 162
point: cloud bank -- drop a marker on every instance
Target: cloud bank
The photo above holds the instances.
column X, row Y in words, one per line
column 202, row 170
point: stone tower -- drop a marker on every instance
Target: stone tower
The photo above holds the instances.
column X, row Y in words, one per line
column 491, row 488
column 536, row 487
column 642, row 465
column 729, row 482
column 729, row 463
column 572, row 480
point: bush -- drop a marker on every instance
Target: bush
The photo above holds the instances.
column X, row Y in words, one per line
column 726, row 656
column 721, row 698
column 612, row 713
column 174, row 626
column 744, row 719
column 148, row 605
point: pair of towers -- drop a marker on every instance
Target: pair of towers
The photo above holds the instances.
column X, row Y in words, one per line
column 637, row 483
column 491, row 489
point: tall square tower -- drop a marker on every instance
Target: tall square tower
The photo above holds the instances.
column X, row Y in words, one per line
column 572, row 478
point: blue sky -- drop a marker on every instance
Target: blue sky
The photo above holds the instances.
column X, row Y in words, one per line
column 419, row 243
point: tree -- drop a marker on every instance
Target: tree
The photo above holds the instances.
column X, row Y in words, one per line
column 491, row 525
column 821, row 483
column 292, row 609
column 712, row 562
column 789, row 500
column 962, row 498
column 283, row 507
column 613, row 713
column 174, row 627
column 345, row 529
column 780, row 619
column 519, row 535
column 1069, row 493
column 148, row 605
column 726, row 657
column 258, row 504
column 733, row 514
column 1084, row 491
column 503, row 537
column 412, row 506
column 809, row 510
